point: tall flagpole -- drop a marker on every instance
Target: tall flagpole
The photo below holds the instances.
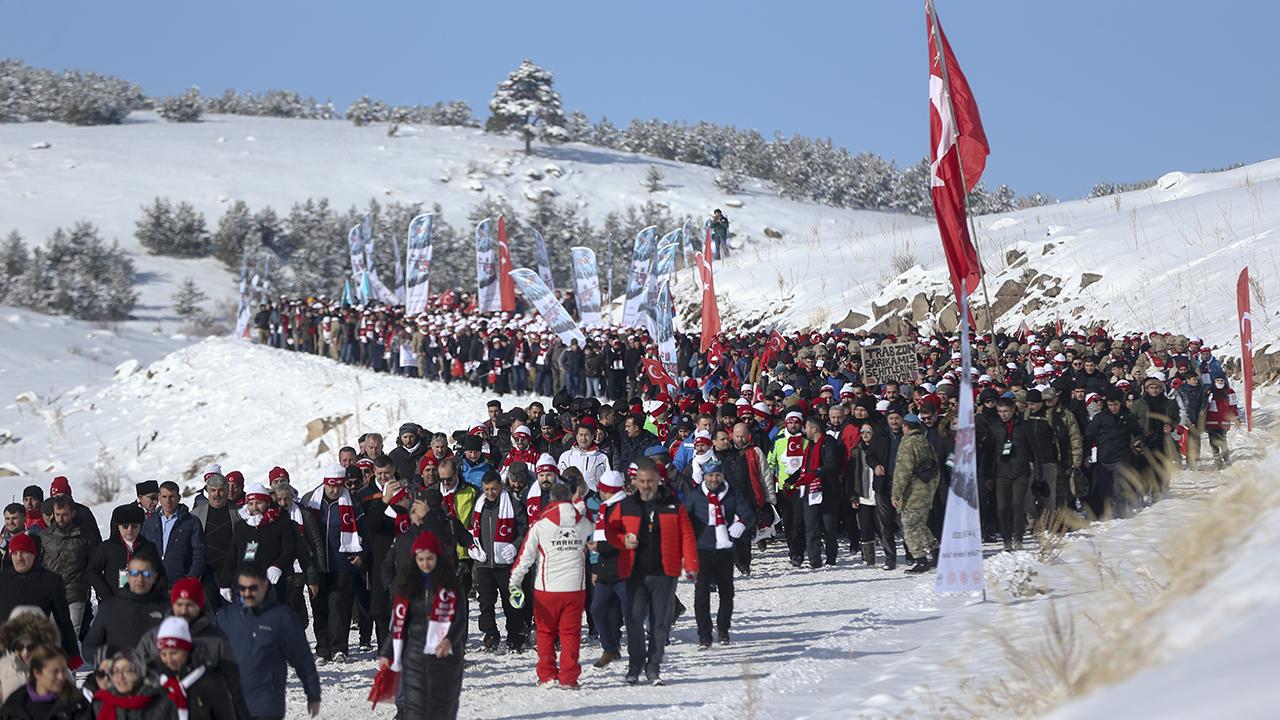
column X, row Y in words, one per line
column 955, row 139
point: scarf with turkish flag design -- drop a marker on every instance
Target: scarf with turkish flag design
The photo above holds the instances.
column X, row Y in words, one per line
column 348, row 535
column 504, row 529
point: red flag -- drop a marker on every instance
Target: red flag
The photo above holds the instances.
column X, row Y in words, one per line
column 771, row 348
column 710, row 311
column 506, row 286
column 657, row 374
column 957, row 155
column 1246, row 345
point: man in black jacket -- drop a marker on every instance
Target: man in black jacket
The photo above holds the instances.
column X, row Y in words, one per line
column 1015, row 463
column 1043, row 426
column 408, row 451
column 635, row 440
column 109, row 562
column 1111, row 433
column 25, row 583
column 820, row 478
column 264, row 538
column 609, row 598
column 125, row 617
column 218, row 518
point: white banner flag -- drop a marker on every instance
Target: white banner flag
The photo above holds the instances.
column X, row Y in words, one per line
column 587, row 284
column 537, row 294
column 488, row 291
column 638, row 279
column 960, row 554
column 544, row 260
column 355, row 247
column 418, row 264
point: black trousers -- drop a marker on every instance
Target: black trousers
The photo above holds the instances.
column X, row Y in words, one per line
column 887, row 519
column 652, row 603
column 1011, row 498
column 713, row 566
column 491, row 587
column 742, row 549
column 794, row 526
column 333, row 606
column 820, row 530
column 866, row 522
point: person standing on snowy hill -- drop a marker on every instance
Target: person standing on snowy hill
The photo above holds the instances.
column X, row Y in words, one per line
column 720, row 234
column 1221, row 412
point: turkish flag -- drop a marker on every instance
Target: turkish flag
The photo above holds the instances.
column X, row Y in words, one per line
column 956, row 140
column 506, row 286
column 657, row 374
column 1246, row 344
column 772, row 348
column 710, row 311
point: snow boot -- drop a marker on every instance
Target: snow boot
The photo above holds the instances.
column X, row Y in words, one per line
column 921, row 566
column 869, row 553
column 606, row 657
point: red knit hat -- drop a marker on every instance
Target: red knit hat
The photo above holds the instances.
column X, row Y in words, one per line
column 429, row 542
column 428, row 460
column 187, row 588
column 59, row 486
column 235, row 476
column 22, row 542
column 277, row 473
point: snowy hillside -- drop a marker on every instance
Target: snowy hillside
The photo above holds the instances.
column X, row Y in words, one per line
column 1165, row 258
column 107, row 173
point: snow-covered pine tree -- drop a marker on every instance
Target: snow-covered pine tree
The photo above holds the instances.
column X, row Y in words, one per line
column 14, row 259
column 187, row 107
column 653, row 179
column 319, row 260
column 229, row 240
column 730, row 177
column 187, row 300
column 605, row 134
column 360, row 112
column 77, row 274
column 578, row 127
column 527, row 103
column 177, row 232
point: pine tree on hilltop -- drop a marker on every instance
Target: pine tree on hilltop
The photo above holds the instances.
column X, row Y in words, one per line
column 653, row 179
column 527, row 103
column 187, row 300
column 77, row 274
column 187, row 107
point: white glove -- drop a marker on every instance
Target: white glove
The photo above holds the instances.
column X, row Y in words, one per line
column 506, row 554
column 225, row 593
column 477, row 553
column 736, row 529
column 273, row 574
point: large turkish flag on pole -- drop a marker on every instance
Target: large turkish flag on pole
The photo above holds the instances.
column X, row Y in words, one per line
column 710, row 311
column 506, row 286
column 1246, row 344
column 957, row 155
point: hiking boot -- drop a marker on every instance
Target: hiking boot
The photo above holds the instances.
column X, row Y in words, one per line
column 890, row 563
column 606, row 657
column 366, row 647
column 868, row 553
column 1017, row 545
column 797, row 562
column 654, row 678
column 322, row 661
column 921, row 566
column 339, row 658
column 570, row 686
column 1008, row 546
column 744, row 571
column 491, row 642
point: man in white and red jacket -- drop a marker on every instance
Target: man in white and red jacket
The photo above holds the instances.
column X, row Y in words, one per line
column 584, row 454
column 557, row 543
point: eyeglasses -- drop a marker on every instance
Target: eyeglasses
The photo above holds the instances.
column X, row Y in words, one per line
column 141, row 573
column 248, row 589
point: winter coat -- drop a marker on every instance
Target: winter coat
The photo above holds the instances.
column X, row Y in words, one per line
column 678, row 547
column 1025, row 447
column 122, row 620
column 269, row 545
column 557, row 542
column 216, row 554
column 592, row 463
column 209, row 697
column 473, row 473
column 110, row 559
column 267, row 640
column 322, row 536
column 406, row 461
column 1222, row 408
column 736, row 508
column 377, row 533
column 1192, row 401
column 1042, row 434
column 1113, row 435
column 212, row 649
column 1152, row 414
column 66, row 552
column 916, row 472
column 160, row 707
column 488, row 512
column 184, row 555
column 88, row 523
column 631, row 449
column 20, row 706
column 45, row 590
column 436, row 697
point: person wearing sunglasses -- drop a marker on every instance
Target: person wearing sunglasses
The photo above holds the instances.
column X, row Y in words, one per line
column 26, row 630
column 125, row 617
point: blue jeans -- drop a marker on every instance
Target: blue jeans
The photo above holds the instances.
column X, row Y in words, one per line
column 608, row 604
column 594, row 387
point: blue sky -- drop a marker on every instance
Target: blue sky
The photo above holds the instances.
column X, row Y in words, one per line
column 1071, row 92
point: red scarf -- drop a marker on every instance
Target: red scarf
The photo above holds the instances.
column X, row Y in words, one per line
column 812, row 464
column 444, row 604
column 528, row 457
column 35, row 519
column 713, row 504
column 112, row 702
column 177, row 689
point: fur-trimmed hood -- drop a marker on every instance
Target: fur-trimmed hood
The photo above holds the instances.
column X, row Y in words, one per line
column 29, row 625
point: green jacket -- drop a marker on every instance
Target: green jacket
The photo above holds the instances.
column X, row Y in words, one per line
column 464, row 504
column 785, row 466
column 916, row 472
